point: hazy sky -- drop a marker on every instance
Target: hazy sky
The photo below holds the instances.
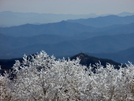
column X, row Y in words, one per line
column 68, row 6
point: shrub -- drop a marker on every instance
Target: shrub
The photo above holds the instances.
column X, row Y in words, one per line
column 43, row 78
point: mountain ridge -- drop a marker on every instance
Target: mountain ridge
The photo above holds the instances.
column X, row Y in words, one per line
column 59, row 28
column 66, row 38
column 122, row 56
column 65, row 28
column 104, row 21
column 8, row 18
column 91, row 60
column 66, row 46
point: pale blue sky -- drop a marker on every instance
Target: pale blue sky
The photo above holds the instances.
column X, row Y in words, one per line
column 68, row 6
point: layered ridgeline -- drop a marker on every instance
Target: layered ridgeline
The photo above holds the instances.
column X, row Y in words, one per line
column 66, row 38
column 8, row 18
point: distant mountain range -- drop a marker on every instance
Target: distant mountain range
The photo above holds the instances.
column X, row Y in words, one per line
column 8, row 18
column 67, row 29
column 13, row 47
column 125, row 14
column 114, row 38
column 59, row 28
column 105, row 21
column 122, row 56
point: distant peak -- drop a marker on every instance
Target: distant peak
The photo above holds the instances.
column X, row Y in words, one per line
column 81, row 55
column 63, row 21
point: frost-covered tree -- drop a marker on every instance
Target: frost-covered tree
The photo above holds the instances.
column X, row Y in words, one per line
column 43, row 78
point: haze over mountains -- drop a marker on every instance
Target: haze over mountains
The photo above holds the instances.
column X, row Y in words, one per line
column 109, row 37
column 105, row 21
column 8, row 18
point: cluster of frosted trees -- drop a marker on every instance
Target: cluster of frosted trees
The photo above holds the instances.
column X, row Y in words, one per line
column 43, row 78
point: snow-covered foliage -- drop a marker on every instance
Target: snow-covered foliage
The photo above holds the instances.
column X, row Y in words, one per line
column 43, row 78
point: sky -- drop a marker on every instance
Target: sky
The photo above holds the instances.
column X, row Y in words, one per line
column 68, row 6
